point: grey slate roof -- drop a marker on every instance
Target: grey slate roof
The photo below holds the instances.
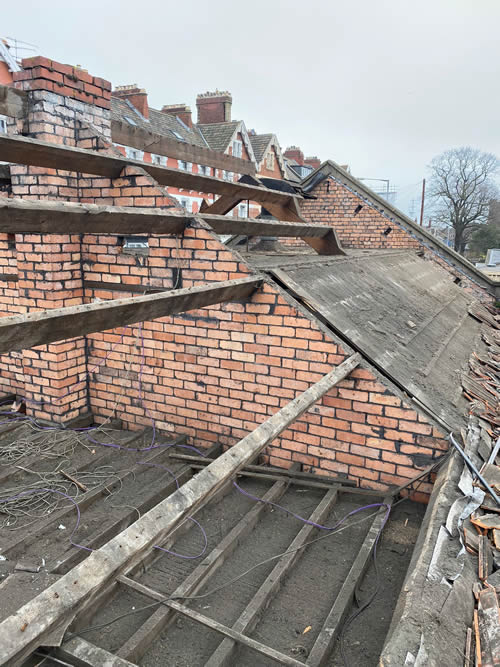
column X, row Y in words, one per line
column 260, row 142
column 402, row 312
column 218, row 135
column 159, row 122
column 291, row 174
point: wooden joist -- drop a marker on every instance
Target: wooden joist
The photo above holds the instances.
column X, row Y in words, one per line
column 18, row 332
column 31, row 626
column 21, row 150
column 224, row 655
column 138, row 137
column 13, row 102
column 252, row 227
column 85, row 654
column 18, row 216
column 262, row 649
column 137, row 644
column 322, row 648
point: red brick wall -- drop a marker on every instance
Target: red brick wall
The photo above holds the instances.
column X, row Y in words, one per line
column 217, row 373
column 49, row 267
column 72, row 82
column 357, row 224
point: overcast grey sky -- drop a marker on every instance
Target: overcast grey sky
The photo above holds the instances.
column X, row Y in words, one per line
column 382, row 86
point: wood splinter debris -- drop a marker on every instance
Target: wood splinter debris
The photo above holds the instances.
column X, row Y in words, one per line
column 80, row 485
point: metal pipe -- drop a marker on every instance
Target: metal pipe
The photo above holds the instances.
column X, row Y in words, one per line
column 473, row 469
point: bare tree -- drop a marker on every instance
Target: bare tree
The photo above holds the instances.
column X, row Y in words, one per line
column 462, row 187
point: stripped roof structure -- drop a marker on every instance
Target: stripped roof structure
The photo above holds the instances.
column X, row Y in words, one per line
column 235, row 352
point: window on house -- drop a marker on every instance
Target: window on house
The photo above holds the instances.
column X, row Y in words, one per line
column 159, row 159
column 186, row 203
column 243, row 211
column 270, row 160
column 185, row 166
column 133, row 153
column 203, row 169
column 237, row 148
column 3, row 124
column 227, row 175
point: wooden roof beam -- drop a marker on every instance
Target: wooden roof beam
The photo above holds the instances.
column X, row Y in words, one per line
column 138, row 137
column 18, row 216
column 19, row 332
column 21, row 150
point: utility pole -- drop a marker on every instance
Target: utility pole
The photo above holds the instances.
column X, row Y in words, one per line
column 422, row 204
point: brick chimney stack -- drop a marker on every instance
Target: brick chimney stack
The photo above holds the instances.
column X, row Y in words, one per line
column 135, row 95
column 294, row 153
column 314, row 161
column 182, row 111
column 214, row 107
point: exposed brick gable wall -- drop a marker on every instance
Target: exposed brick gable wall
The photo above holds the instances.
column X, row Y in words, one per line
column 217, row 373
column 214, row 374
column 357, row 225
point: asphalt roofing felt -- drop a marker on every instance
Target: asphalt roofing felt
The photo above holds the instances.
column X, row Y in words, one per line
column 402, row 312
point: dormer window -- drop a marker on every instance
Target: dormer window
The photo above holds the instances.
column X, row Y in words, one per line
column 237, row 148
column 270, row 160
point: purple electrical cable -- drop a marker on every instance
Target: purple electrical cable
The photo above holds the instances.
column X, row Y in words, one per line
column 203, row 551
column 173, row 553
column 312, row 523
column 61, row 493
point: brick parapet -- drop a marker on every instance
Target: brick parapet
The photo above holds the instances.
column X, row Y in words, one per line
column 40, row 73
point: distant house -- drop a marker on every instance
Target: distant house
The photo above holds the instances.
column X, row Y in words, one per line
column 214, row 129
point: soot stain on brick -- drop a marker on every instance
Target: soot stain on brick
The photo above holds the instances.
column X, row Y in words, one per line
column 422, row 460
column 197, row 318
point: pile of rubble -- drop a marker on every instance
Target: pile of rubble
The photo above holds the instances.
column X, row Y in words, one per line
column 481, row 529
